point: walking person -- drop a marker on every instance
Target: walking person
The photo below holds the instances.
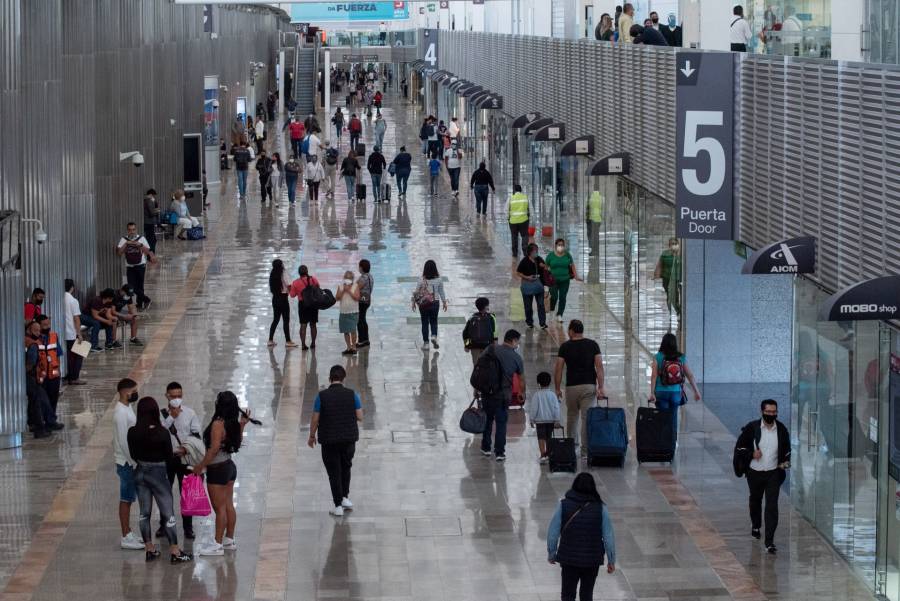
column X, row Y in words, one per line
column 338, row 122
column 434, row 174
column 349, row 168
column 427, row 298
column 531, row 287
column 425, row 133
column 355, row 128
column 562, row 267
column 280, row 286
column 123, row 419
column 347, row 295
column 264, row 168
column 222, row 437
column 277, row 177
column 496, row 407
column 297, row 133
column 402, row 168
column 315, row 173
column 518, row 219
column 337, row 411
column 330, row 166
column 740, row 33
column 542, row 410
column 480, row 331
column 309, row 316
column 453, row 160
column 73, row 334
column 376, row 165
column 242, row 158
column 365, row 282
column 260, row 130
column 380, row 127
column 293, row 170
column 151, row 218
column 764, row 449
column 585, row 379
column 667, row 376
column 580, row 537
column 481, row 183
column 150, row 446
column 137, row 253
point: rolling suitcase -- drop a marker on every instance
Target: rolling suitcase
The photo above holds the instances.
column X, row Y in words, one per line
column 360, row 150
column 561, row 453
column 516, row 398
column 654, row 435
column 607, row 435
column 386, row 192
column 361, row 192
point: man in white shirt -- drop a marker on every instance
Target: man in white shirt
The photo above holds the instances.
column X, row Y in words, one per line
column 312, row 147
column 453, row 129
column 73, row 334
column 136, row 251
column 740, row 31
column 123, row 419
column 765, row 448
column 453, row 159
column 182, row 422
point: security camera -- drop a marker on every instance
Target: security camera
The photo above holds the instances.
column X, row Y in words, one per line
column 40, row 236
column 137, row 160
column 215, row 104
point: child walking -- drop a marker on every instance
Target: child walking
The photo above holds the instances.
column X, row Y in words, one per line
column 543, row 413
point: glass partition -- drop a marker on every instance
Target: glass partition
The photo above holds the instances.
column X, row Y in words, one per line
column 790, row 27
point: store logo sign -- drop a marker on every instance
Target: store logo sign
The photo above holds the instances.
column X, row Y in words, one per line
column 793, row 256
column 872, row 299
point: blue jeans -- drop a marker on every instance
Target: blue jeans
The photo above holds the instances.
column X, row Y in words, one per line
column 152, row 484
column 481, row 198
column 242, row 182
column 94, row 325
column 670, row 400
column 351, row 187
column 376, row 186
column 379, row 140
column 291, row 187
column 429, row 317
column 127, row 490
column 495, row 410
column 527, row 299
column 402, row 181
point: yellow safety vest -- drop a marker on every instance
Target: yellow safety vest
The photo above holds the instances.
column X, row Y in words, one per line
column 518, row 208
column 595, row 207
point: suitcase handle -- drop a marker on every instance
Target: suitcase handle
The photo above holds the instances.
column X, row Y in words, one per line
column 558, row 427
column 603, row 397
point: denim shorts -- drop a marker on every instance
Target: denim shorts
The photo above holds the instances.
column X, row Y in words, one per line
column 127, row 489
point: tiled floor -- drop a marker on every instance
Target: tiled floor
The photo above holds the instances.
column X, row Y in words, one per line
column 433, row 520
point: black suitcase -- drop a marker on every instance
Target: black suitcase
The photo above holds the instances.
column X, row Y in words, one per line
column 360, row 150
column 360, row 192
column 654, row 435
column 386, row 192
column 561, row 452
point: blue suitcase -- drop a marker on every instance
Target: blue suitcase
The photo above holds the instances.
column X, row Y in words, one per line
column 607, row 435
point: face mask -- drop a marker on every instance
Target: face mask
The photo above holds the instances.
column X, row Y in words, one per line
column 45, row 331
column 672, row 21
column 133, row 397
column 348, row 282
column 181, row 199
column 560, row 247
column 769, row 419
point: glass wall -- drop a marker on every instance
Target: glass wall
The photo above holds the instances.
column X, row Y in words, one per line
column 884, row 31
column 790, row 27
column 887, row 581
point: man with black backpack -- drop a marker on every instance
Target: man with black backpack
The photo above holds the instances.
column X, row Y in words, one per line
column 480, row 331
column 492, row 379
column 331, row 161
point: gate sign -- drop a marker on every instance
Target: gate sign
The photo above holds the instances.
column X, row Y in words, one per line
column 705, row 145
column 431, row 48
column 869, row 300
column 797, row 255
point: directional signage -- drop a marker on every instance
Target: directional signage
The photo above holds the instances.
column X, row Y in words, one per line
column 555, row 132
column 525, row 119
column 705, row 145
column 869, row 300
column 797, row 255
column 431, row 48
column 614, row 164
column 580, row 146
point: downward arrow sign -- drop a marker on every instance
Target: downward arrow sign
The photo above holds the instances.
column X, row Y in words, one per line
column 687, row 69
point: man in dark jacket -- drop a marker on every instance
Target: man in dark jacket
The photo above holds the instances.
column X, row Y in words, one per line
column 481, row 181
column 647, row 36
column 336, row 413
column 376, row 165
column 151, row 218
column 763, row 453
column 264, row 167
column 242, row 159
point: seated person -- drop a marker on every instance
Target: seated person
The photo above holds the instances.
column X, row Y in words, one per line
column 180, row 208
column 126, row 310
column 100, row 312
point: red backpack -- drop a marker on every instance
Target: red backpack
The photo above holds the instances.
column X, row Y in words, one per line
column 355, row 125
column 672, row 372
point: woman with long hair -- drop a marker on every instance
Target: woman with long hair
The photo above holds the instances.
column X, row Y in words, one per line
column 427, row 298
column 668, row 374
column 572, row 539
column 150, row 445
column 279, row 286
column 308, row 316
column 222, row 437
column 532, row 288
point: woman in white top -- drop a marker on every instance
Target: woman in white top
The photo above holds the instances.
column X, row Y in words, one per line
column 315, row 173
column 427, row 297
column 347, row 295
column 277, row 177
column 260, row 130
column 180, row 208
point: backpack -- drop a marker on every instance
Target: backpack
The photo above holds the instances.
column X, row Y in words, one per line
column 355, row 125
column 487, row 375
column 424, row 295
column 134, row 254
column 304, row 146
column 479, row 331
column 314, row 297
column 331, row 156
column 429, row 131
column 672, row 372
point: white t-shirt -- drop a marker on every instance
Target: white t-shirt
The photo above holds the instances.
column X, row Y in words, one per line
column 142, row 241
column 123, row 418
column 186, row 423
column 740, row 31
column 768, row 444
column 453, row 158
column 73, row 310
column 453, row 129
column 314, row 144
column 347, row 303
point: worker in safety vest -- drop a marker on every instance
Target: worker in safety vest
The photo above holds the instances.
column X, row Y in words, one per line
column 50, row 354
column 594, row 219
column 518, row 220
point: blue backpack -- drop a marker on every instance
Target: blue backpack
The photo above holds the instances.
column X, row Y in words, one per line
column 304, row 146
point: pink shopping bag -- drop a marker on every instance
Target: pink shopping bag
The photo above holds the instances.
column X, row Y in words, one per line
column 194, row 500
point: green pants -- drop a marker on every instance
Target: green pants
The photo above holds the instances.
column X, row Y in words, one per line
column 558, row 295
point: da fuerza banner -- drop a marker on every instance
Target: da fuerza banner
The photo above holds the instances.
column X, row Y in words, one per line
column 318, row 12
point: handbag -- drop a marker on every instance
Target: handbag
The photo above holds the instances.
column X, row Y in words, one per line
column 532, row 287
column 547, row 278
column 572, row 274
column 392, row 169
column 473, row 420
column 194, row 499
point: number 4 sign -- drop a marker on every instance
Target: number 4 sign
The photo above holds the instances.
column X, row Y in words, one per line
column 431, row 48
column 705, row 145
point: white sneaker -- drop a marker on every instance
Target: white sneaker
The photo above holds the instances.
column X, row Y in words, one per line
column 543, row 459
column 228, row 543
column 212, row 549
column 559, row 318
column 425, row 346
column 434, row 343
column 337, row 511
column 131, row 542
column 346, row 504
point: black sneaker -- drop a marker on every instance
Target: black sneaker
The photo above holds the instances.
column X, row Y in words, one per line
column 136, row 342
column 147, row 305
column 771, row 550
column 543, row 326
column 754, row 532
column 41, row 434
column 115, row 344
column 362, row 343
column 97, row 349
column 189, row 534
column 56, row 427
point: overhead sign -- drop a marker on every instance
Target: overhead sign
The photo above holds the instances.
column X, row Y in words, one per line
column 869, row 300
column 797, row 255
column 580, row 146
column 430, row 58
column 317, row 12
column 537, row 124
column 445, row 3
column 359, row 58
column 614, row 164
column 525, row 119
column 555, row 132
column 704, row 165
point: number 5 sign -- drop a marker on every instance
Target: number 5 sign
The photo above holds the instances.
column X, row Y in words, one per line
column 431, row 48
column 705, row 145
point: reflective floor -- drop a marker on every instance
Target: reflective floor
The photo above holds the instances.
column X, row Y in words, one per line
column 434, row 520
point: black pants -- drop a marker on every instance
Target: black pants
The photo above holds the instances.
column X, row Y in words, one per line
column 338, row 459
column 51, row 387
column 39, row 410
column 354, row 140
column 571, row 576
column 282, row 309
column 150, row 235
column 265, row 187
column 362, row 327
column 739, row 47
column 769, row 484
column 516, row 231
column 313, row 188
column 135, row 276
column 73, row 362
column 176, row 469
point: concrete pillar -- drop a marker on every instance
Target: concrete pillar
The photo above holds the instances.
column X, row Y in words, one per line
column 706, row 23
column 846, row 29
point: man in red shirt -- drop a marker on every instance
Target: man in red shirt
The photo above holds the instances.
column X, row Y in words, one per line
column 355, row 127
column 33, row 306
column 298, row 132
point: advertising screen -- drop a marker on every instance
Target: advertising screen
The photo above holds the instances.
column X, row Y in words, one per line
column 320, row 12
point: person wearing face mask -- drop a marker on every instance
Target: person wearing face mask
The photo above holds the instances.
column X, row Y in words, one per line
column 315, row 173
column 672, row 32
column 605, row 30
column 50, row 356
column 496, row 408
column 347, row 294
column 180, row 208
column 654, row 20
column 562, row 266
column 763, row 453
column 123, row 419
column 41, row 418
column 184, row 426
column 531, row 287
column 668, row 269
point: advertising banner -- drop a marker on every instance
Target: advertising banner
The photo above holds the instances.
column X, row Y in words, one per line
column 211, row 110
column 870, row 300
column 319, row 12
column 797, row 255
